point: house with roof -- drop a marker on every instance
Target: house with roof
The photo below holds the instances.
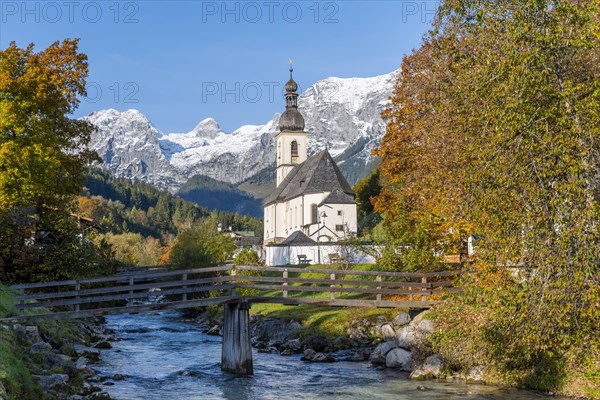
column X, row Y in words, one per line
column 313, row 202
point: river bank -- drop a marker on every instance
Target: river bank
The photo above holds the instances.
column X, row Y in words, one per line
column 393, row 339
column 161, row 356
column 52, row 360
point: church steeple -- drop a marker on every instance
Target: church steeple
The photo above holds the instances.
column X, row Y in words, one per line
column 291, row 119
column 291, row 87
column 292, row 139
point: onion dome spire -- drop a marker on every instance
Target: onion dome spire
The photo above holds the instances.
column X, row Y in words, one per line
column 291, row 119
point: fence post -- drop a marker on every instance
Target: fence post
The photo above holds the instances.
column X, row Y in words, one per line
column 332, row 294
column 233, row 274
column 78, row 298
column 184, row 294
column 424, row 296
column 22, row 302
column 378, row 279
column 285, row 283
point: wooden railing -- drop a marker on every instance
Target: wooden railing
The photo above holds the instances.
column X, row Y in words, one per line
column 223, row 284
column 364, row 289
column 141, row 269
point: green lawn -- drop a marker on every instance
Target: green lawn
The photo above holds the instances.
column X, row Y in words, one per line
column 315, row 320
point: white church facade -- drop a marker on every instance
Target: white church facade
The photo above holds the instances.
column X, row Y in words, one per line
column 313, row 204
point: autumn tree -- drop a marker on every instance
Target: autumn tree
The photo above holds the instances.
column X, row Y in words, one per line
column 42, row 150
column 493, row 130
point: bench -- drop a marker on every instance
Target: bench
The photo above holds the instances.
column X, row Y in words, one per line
column 303, row 260
column 336, row 258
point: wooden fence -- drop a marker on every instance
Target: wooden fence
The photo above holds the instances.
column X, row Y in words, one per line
column 133, row 292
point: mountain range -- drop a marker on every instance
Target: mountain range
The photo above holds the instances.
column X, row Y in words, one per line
column 341, row 114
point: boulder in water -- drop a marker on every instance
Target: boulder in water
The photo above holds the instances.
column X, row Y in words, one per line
column 399, row 358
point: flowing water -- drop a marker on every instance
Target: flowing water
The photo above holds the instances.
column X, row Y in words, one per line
column 161, row 357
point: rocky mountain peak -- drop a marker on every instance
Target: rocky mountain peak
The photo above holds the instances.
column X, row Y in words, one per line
column 207, row 128
column 341, row 114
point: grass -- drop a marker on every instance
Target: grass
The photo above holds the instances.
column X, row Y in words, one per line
column 14, row 372
column 7, row 306
column 331, row 322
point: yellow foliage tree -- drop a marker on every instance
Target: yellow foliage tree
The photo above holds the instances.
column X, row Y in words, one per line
column 494, row 130
column 42, row 150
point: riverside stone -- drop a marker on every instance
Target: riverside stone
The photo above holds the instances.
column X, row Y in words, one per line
column 353, row 354
column 40, row 347
column 431, row 368
column 93, row 355
column 275, row 333
column 360, row 333
column 416, row 331
column 475, row 374
column 63, row 361
column 314, row 356
column 399, row 358
column 406, row 337
column 293, row 345
column 81, row 363
column 378, row 356
column 33, row 334
column 52, row 381
column 401, row 319
column 103, row 345
column 387, row 331
column 318, row 343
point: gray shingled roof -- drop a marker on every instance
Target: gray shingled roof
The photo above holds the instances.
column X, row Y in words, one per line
column 338, row 197
column 319, row 173
column 298, row 239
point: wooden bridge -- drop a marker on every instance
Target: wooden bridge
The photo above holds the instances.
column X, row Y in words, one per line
column 236, row 288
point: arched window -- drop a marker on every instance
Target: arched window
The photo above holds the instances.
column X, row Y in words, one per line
column 294, row 148
column 314, row 214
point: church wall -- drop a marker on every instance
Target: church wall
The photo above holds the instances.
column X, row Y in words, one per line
column 286, row 255
column 285, row 160
column 268, row 224
column 343, row 215
column 284, row 143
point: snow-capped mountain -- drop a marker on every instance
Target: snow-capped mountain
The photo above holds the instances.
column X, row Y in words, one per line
column 341, row 114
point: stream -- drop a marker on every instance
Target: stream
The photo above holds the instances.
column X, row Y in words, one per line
column 162, row 357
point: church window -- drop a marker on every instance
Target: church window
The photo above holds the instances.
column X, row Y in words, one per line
column 314, row 211
column 294, row 148
column 339, row 212
column 339, row 228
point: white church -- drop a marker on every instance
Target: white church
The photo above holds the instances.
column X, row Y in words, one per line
column 313, row 207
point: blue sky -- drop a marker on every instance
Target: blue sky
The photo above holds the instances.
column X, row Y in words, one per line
column 182, row 61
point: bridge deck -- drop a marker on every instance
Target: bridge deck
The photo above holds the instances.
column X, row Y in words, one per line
column 227, row 284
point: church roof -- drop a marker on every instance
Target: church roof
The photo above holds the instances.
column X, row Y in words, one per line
column 319, row 173
column 298, row 239
column 338, row 197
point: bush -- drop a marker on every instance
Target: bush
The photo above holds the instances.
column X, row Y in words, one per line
column 201, row 247
column 246, row 256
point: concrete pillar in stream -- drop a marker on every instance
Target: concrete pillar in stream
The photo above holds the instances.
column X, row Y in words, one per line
column 236, row 355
